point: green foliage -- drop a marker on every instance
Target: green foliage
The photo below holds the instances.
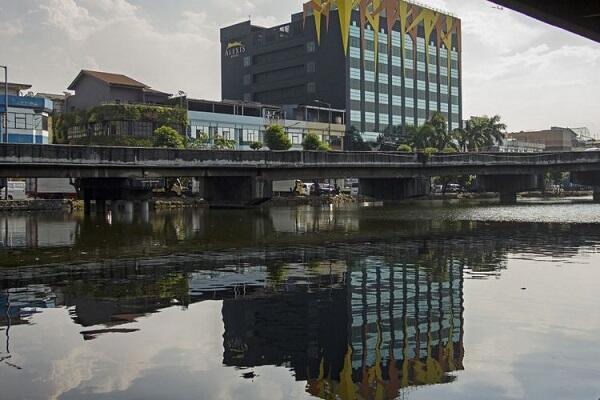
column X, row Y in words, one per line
column 166, row 136
column 312, row 142
column 324, row 147
column 222, row 143
column 353, row 141
column 480, row 133
column 175, row 117
column 392, row 138
column 276, row 138
column 113, row 140
column 256, row 145
column 201, row 142
column 404, row 148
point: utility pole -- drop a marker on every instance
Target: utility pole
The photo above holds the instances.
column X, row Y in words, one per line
column 5, row 127
column 5, row 118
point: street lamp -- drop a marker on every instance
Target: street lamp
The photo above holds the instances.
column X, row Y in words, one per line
column 5, row 103
column 329, row 108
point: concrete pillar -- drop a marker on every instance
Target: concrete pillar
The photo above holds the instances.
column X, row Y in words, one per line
column 128, row 211
column 235, row 191
column 393, row 189
column 196, row 185
column 145, row 211
column 509, row 185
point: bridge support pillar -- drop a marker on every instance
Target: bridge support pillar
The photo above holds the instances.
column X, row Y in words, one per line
column 509, row 185
column 234, row 191
column 394, row 189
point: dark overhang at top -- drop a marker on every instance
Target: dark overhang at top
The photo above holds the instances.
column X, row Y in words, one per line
column 578, row 16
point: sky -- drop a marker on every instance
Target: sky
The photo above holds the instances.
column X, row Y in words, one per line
column 531, row 74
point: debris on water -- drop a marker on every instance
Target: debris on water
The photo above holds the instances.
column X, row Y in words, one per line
column 523, row 288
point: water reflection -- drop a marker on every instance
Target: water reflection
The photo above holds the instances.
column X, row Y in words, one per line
column 371, row 315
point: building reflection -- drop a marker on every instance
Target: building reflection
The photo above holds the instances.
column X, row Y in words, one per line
column 383, row 327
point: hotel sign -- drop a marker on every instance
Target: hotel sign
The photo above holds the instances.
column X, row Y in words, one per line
column 234, row 49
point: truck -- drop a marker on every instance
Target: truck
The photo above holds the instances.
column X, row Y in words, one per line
column 51, row 188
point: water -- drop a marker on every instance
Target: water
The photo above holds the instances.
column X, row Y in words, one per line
column 416, row 302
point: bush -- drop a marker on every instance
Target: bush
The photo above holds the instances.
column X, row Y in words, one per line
column 449, row 150
column 311, row 141
column 168, row 137
column 256, row 145
column 224, row 144
column 405, row 148
column 200, row 142
column 276, row 138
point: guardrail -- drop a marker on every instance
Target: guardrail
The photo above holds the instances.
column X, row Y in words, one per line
column 163, row 157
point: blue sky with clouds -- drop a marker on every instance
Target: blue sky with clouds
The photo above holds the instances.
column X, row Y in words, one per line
column 532, row 74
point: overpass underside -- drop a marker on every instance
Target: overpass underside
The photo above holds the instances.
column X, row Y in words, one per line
column 578, row 16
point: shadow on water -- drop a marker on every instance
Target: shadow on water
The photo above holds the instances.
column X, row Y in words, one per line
column 356, row 303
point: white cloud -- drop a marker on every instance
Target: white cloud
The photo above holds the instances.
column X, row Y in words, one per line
column 512, row 65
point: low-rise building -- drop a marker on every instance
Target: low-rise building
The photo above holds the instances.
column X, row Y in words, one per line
column 554, row 139
column 246, row 122
column 27, row 116
column 518, row 146
column 93, row 88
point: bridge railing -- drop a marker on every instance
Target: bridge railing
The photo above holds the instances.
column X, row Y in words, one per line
column 163, row 157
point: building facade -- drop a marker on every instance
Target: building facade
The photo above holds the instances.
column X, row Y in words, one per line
column 554, row 139
column 245, row 123
column 387, row 63
column 28, row 117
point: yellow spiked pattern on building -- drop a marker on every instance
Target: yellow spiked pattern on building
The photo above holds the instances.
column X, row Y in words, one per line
column 408, row 15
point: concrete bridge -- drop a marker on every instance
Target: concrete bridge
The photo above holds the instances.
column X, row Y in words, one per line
column 245, row 177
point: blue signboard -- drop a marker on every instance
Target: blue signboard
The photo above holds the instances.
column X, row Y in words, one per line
column 35, row 103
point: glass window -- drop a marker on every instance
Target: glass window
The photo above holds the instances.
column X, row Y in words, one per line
column 370, row 97
column 310, row 67
column 311, row 87
column 250, row 135
column 354, row 94
column 247, row 61
column 370, row 76
column 310, row 47
column 370, row 117
column 247, row 79
column 354, row 73
column 355, row 116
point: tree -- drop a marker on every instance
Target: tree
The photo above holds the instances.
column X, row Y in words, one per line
column 404, row 148
column 276, row 138
column 421, row 137
column 353, row 141
column 256, row 145
column 392, row 137
column 312, row 141
column 165, row 136
column 483, row 132
column 441, row 138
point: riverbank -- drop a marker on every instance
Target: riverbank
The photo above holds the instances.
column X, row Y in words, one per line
column 315, row 201
column 77, row 205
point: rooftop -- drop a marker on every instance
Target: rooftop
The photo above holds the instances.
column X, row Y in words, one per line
column 110, row 78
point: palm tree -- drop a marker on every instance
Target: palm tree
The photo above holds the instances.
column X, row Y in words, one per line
column 482, row 132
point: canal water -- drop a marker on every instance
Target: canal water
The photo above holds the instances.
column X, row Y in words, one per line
column 368, row 302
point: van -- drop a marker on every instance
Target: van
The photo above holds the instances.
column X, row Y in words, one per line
column 16, row 191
